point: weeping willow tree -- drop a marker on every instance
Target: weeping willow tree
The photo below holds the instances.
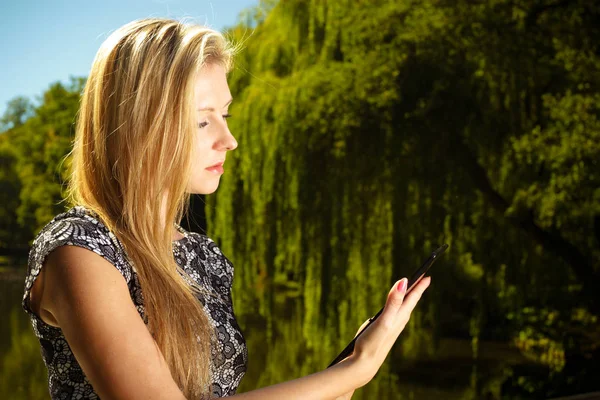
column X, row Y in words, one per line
column 370, row 131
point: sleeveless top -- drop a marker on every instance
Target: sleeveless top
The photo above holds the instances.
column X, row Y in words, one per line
column 196, row 254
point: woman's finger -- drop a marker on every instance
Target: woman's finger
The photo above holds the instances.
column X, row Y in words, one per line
column 396, row 313
column 380, row 328
column 411, row 300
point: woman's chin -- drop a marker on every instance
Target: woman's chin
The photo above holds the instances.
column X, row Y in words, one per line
column 205, row 188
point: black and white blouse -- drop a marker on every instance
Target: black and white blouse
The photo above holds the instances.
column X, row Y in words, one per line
column 195, row 253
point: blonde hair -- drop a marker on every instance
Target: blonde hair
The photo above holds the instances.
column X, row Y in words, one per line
column 133, row 145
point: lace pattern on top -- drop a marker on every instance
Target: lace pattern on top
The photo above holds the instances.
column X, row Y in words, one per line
column 196, row 254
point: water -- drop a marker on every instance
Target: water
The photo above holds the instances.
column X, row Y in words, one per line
column 23, row 374
column 276, row 354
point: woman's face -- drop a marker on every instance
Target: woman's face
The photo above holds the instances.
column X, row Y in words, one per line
column 213, row 139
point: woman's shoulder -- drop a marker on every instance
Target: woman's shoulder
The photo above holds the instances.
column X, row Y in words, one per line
column 78, row 226
column 211, row 256
column 207, row 245
column 78, row 216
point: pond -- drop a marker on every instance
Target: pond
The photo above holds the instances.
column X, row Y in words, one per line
column 452, row 373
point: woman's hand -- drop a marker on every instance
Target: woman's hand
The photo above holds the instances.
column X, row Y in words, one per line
column 373, row 346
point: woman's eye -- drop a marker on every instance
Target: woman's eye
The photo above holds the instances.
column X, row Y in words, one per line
column 205, row 123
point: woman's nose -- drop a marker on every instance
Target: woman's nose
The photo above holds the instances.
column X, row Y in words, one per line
column 228, row 141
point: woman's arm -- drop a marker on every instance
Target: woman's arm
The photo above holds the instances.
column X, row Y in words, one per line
column 335, row 381
column 88, row 298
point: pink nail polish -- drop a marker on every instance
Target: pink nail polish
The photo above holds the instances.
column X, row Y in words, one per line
column 402, row 285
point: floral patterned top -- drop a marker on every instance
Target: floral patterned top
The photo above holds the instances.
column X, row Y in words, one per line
column 195, row 253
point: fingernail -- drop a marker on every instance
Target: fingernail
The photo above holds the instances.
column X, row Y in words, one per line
column 402, row 285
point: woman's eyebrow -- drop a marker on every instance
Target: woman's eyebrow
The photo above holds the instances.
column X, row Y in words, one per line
column 212, row 109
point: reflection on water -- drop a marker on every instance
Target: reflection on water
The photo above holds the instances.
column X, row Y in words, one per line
column 282, row 354
column 24, row 376
column 445, row 371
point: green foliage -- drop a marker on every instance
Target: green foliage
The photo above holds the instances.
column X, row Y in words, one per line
column 370, row 131
column 10, row 187
column 566, row 153
column 18, row 110
column 34, row 151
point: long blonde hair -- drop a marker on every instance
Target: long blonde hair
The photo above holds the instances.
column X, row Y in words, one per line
column 133, row 145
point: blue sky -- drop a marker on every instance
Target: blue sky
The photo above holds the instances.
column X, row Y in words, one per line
column 45, row 41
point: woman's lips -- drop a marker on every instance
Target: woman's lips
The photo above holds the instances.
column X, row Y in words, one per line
column 217, row 169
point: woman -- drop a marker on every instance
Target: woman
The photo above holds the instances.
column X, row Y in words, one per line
column 126, row 303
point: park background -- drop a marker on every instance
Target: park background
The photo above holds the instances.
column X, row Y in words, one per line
column 370, row 131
